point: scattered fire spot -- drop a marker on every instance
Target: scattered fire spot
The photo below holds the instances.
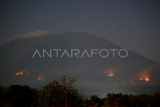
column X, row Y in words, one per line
column 147, row 79
column 89, row 81
column 17, row 73
column 144, row 75
column 22, row 72
column 41, row 78
column 114, row 84
column 133, row 83
column 140, row 78
column 110, row 72
column 131, row 80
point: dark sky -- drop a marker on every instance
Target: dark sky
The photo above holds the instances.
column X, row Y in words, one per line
column 132, row 24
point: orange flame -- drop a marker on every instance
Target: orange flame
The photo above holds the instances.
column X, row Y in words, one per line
column 17, row 73
column 110, row 72
column 147, row 79
column 140, row 78
column 41, row 78
column 144, row 75
column 22, row 72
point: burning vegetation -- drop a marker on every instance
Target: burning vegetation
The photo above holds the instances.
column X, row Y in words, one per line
column 22, row 72
column 41, row 78
column 110, row 72
column 144, row 75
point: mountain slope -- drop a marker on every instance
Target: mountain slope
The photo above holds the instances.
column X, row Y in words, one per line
column 16, row 56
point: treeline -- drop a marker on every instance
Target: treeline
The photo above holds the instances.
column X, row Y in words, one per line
column 58, row 93
column 61, row 93
column 18, row 96
column 143, row 100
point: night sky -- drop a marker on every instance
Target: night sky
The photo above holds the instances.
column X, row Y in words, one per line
column 131, row 24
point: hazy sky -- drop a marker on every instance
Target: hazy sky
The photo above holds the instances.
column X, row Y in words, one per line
column 132, row 24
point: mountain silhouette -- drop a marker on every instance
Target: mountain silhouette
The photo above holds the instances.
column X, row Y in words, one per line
column 34, row 62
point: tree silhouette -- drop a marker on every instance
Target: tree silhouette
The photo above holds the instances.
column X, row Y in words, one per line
column 18, row 95
column 158, row 86
column 59, row 92
column 96, row 101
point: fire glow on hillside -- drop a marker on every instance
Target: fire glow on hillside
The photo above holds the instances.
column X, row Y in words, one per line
column 41, row 78
column 22, row 72
column 144, row 75
column 110, row 72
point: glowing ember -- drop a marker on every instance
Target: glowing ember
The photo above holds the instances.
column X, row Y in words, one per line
column 22, row 72
column 140, row 78
column 110, row 72
column 114, row 84
column 147, row 79
column 17, row 73
column 130, row 80
column 144, row 75
column 41, row 78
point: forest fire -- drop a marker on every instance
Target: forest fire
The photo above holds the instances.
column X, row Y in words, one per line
column 110, row 72
column 147, row 79
column 41, row 78
column 22, row 72
column 140, row 78
column 144, row 75
column 17, row 73
column 131, row 80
